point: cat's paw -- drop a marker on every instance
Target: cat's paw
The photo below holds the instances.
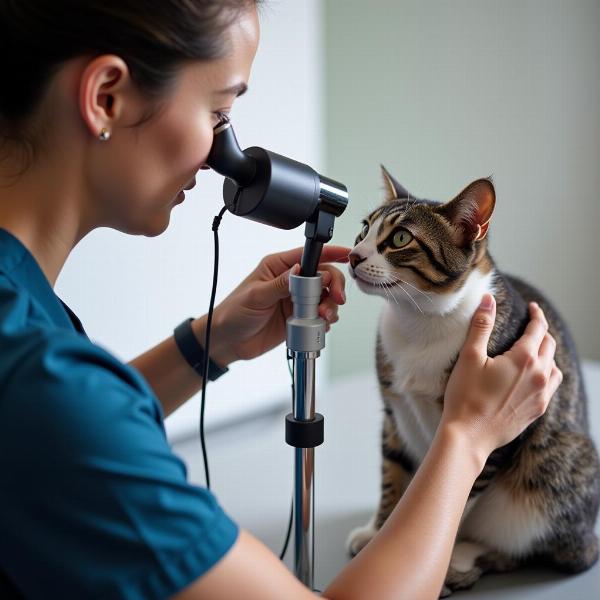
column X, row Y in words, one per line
column 461, row 580
column 360, row 537
column 446, row 591
column 463, row 571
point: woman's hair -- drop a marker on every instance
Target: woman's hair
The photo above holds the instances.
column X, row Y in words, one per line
column 153, row 37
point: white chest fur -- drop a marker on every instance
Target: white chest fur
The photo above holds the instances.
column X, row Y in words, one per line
column 420, row 348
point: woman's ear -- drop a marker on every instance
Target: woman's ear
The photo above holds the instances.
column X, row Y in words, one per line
column 470, row 212
column 103, row 86
column 393, row 189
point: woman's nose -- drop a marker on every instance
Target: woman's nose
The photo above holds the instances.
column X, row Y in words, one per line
column 355, row 259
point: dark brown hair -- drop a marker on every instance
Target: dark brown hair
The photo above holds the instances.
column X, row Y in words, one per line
column 154, row 37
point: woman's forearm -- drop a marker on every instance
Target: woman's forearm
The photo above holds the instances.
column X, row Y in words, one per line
column 168, row 373
column 409, row 556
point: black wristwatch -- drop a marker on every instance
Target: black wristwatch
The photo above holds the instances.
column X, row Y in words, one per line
column 193, row 352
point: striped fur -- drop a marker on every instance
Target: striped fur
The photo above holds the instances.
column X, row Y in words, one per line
column 537, row 498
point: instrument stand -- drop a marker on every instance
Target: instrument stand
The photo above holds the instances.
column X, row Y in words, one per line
column 304, row 427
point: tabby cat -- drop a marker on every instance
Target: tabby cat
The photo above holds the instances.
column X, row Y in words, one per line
column 537, row 497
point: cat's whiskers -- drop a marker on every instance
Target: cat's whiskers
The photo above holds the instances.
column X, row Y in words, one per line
column 397, row 279
column 412, row 299
column 385, row 286
column 380, row 284
column 387, row 289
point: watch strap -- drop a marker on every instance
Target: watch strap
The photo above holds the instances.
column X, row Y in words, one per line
column 193, row 352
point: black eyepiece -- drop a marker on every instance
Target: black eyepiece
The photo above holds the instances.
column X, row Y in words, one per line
column 275, row 190
column 226, row 156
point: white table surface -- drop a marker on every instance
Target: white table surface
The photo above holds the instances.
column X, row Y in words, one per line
column 251, row 474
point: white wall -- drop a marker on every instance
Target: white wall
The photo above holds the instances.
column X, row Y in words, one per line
column 130, row 292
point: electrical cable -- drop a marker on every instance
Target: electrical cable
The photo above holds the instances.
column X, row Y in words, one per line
column 289, row 527
column 215, row 227
column 289, row 531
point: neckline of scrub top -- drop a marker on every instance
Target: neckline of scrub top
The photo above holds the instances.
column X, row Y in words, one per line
column 20, row 266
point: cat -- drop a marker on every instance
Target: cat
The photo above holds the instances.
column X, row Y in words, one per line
column 538, row 496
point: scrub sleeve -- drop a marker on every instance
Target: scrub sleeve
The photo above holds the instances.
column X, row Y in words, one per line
column 93, row 502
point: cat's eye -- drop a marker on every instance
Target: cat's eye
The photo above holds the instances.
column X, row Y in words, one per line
column 401, row 238
column 364, row 230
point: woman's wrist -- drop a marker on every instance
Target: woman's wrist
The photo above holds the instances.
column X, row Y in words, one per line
column 459, row 435
column 220, row 350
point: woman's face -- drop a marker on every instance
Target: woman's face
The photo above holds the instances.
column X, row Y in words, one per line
column 136, row 177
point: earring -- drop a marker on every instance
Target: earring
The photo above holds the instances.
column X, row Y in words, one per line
column 104, row 134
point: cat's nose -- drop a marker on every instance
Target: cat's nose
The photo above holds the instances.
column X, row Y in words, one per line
column 355, row 259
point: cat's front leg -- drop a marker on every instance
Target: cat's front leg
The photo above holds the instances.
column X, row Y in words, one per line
column 395, row 477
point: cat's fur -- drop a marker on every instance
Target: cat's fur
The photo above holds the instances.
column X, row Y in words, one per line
column 537, row 497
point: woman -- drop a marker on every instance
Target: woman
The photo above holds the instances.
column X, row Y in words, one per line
column 106, row 113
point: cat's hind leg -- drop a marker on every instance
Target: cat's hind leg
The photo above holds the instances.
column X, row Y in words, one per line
column 570, row 486
column 573, row 547
column 470, row 560
column 575, row 553
column 463, row 571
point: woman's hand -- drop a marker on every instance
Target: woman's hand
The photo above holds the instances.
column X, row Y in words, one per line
column 251, row 320
column 493, row 400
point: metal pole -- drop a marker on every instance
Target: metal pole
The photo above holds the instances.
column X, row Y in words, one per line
column 304, row 410
column 304, row 427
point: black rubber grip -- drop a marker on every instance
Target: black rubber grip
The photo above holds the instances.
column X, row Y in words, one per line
column 304, row 434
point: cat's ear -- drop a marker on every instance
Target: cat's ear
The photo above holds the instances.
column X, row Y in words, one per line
column 470, row 212
column 393, row 189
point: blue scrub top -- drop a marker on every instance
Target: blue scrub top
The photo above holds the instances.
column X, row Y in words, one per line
column 93, row 502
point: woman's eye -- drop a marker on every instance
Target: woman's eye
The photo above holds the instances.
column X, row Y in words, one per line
column 218, row 116
column 401, row 238
column 364, row 230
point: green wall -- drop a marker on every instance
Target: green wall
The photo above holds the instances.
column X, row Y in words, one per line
column 445, row 92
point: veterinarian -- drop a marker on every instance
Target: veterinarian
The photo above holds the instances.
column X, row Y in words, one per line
column 107, row 109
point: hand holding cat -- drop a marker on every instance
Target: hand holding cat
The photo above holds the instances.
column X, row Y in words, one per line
column 251, row 320
column 493, row 400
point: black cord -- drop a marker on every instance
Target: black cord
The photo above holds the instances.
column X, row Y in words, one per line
column 289, row 532
column 289, row 527
column 215, row 227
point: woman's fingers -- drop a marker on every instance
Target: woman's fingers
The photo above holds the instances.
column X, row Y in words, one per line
column 333, row 278
column 482, row 323
column 534, row 333
column 328, row 310
column 543, row 399
column 333, row 293
column 546, row 353
column 335, row 281
column 279, row 262
column 555, row 380
column 335, row 254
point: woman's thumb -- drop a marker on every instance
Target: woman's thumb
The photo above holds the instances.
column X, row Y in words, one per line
column 482, row 324
column 281, row 284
